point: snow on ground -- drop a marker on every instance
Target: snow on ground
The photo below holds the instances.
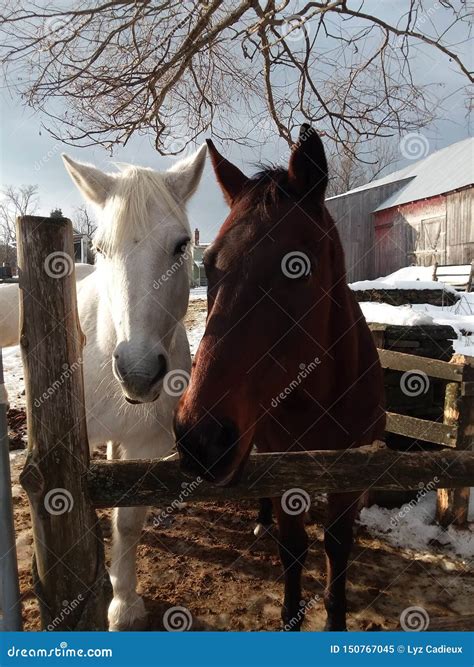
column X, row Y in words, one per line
column 198, row 293
column 387, row 314
column 400, row 285
column 195, row 324
column 410, row 277
column 460, row 317
column 424, row 273
column 412, row 526
column 13, row 374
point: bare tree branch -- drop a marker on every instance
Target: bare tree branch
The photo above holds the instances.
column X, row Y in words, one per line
column 101, row 72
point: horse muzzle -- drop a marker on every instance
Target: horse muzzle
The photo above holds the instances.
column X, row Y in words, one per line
column 208, row 449
column 140, row 382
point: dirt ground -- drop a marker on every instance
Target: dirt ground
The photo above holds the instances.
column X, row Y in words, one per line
column 207, row 559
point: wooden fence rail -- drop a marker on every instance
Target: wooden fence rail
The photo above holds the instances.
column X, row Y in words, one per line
column 128, row 483
column 456, row 429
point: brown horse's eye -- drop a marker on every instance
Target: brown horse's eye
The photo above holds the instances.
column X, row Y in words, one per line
column 180, row 247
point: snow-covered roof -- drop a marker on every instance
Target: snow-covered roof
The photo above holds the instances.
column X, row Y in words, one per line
column 448, row 169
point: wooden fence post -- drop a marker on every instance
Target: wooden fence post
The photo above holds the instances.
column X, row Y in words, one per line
column 70, row 578
column 453, row 504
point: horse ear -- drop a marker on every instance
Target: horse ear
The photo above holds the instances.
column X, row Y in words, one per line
column 94, row 184
column 229, row 177
column 184, row 176
column 308, row 168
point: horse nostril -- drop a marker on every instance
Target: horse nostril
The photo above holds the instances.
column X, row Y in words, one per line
column 162, row 368
column 208, row 448
column 119, row 371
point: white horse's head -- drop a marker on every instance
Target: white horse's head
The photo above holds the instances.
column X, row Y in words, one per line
column 143, row 243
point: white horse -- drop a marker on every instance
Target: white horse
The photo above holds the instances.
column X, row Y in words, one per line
column 136, row 358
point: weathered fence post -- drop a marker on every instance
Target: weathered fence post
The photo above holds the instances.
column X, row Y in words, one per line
column 9, row 588
column 453, row 504
column 69, row 573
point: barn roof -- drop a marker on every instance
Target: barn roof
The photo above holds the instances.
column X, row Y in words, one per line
column 448, row 169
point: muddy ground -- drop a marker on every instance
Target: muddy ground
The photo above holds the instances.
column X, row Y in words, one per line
column 207, row 559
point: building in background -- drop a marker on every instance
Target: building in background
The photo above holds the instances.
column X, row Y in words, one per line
column 419, row 215
column 199, row 274
column 83, row 252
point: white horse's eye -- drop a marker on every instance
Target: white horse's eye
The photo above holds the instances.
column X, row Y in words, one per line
column 99, row 250
column 180, row 247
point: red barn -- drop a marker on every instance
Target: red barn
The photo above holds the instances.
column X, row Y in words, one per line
column 421, row 214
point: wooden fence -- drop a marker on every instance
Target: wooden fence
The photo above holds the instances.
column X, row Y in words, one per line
column 68, row 546
column 456, row 430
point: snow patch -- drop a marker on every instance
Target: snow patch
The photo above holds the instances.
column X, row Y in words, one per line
column 384, row 284
column 387, row 314
column 424, row 273
column 198, row 293
column 13, row 376
column 196, row 332
column 412, row 527
column 410, row 277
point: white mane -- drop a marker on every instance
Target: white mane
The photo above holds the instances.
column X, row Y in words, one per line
column 128, row 208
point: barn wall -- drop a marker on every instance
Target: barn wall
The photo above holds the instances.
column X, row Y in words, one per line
column 401, row 236
column 398, row 234
column 353, row 216
column 460, row 226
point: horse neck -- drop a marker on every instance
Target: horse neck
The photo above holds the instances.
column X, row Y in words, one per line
column 95, row 315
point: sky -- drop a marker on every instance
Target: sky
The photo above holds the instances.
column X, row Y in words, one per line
column 30, row 156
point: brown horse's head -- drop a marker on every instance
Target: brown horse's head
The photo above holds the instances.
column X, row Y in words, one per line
column 273, row 272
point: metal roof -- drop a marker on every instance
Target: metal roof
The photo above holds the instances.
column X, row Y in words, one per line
column 448, row 169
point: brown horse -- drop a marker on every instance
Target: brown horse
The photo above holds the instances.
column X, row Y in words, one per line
column 287, row 361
